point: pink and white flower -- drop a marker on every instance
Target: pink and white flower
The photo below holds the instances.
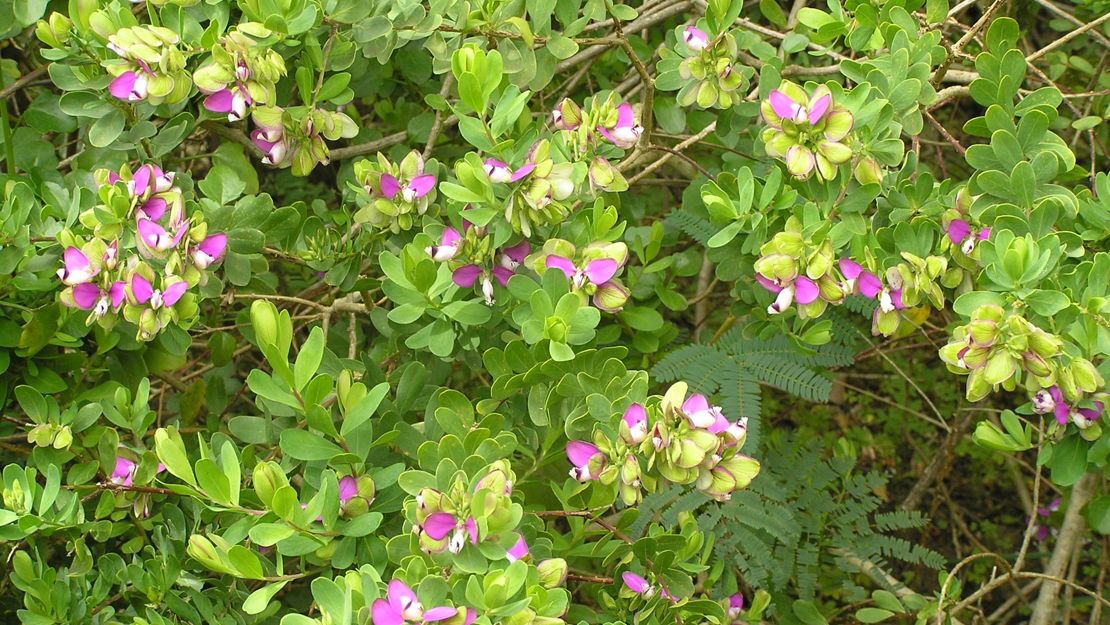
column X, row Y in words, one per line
column 626, row 132
column 401, row 606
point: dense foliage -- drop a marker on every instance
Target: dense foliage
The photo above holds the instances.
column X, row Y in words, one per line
column 559, row 311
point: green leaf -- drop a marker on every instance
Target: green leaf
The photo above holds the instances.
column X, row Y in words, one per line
column 107, row 129
column 1069, row 460
column 303, row 445
column 364, row 409
column 171, row 451
column 1098, row 514
column 936, row 11
column 308, row 360
column 562, row 47
column 873, row 615
column 270, row 534
column 212, row 481
column 807, row 613
column 259, row 599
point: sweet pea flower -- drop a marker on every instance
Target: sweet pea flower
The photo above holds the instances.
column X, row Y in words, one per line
column 415, row 189
column 89, row 296
column 498, row 171
column 148, row 180
column 124, row 473
column 401, row 606
column 210, row 250
column 76, row 268
column 634, row 425
column 626, row 132
column 131, row 86
column 1051, row 400
column 143, row 292
column 439, row 524
column 1083, row 418
column 507, row 263
column 587, row 460
column 155, row 238
column 802, row 289
column 800, row 113
column 890, row 300
column 637, row 584
column 735, row 605
column 962, row 234
column 567, row 116
column 859, row 280
column 232, row 101
column 518, row 550
column 448, row 245
column 703, row 416
column 348, row 488
column 695, row 38
column 595, row 272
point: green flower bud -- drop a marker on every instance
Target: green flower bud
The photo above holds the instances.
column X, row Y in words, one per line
column 868, row 171
column 983, row 332
column 553, row 572
column 55, row 31
column 1001, row 366
column 1046, row 345
column 1087, row 377
column 203, row 551
column 977, row 386
column 1036, row 365
column 267, row 479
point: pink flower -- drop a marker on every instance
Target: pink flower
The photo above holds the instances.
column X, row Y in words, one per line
column 76, row 268
column 210, row 250
column 695, row 38
column 448, row 246
column 124, row 474
column 587, row 460
column 787, row 108
column 497, row 171
column 637, row 584
column 129, row 86
column 634, row 425
column 348, row 488
column 143, row 292
column 232, row 101
column 89, row 296
column 735, row 605
column 626, row 132
column 154, row 238
column 401, row 606
column 439, row 525
column 595, row 272
column 961, row 233
column 858, row 280
column 416, row 188
column 703, row 416
column 518, row 550
column 802, row 289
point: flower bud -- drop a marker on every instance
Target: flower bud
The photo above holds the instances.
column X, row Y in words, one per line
column 567, row 115
column 868, row 171
column 1000, row 367
column 1046, row 345
column 983, row 332
column 202, row 549
column 553, row 572
column 264, row 320
column 1036, row 365
column 267, row 479
column 54, row 32
column 1087, row 377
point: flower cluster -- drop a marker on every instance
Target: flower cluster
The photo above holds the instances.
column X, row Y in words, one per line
column 449, row 520
column 537, row 188
column 240, row 73
column 685, row 439
column 592, row 271
column 798, row 272
column 392, row 196
column 1000, row 348
column 171, row 253
column 474, row 260
column 608, row 121
column 401, row 606
column 149, row 68
column 713, row 78
column 296, row 137
column 806, row 130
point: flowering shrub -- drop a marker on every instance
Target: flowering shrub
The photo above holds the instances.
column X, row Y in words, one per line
column 322, row 312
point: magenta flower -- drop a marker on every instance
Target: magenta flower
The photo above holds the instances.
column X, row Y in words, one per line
column 89, row 296
column 787, row 108
column 1052, row 400
column 803, row 290
column 695, row 38
column 637, row 584
column 401, row 606
column 595, row 272
column 416, row 188
column 703, row 416
column 962, row 234
column 1045, row 512
column 587, row 460
column 76, row 268
column 518, row 550
column 890, row 299
column 155, row 239
column 735, row 605
column 129, row 86
column 508, row 262
column 231, row 101
column 439, row 525
column 858, row 280
column 634, row 425
column 124, row 474
column 271, row 140
column 148, row 180
column 626, row 132
column 210, row 250
column 143, row 292
column 348, row 488
column 497, row 171
column 448, row 246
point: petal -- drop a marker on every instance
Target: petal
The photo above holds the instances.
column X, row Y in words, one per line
column 150, row 232
column 805, row 290
column 214, row 245
column 767, row 283
column 471, row 616
column 440, row 613
column 174, row 292
column 518, row 550
column 466, row 275
column 523, row 171
column 634, row 415
column 85, row 295
column 400, row 595
column 438, row 525
column 421, row 185
column 869, row 284
column 122, row 85
column 124, row 468
column 154, row 207
column 140, row 288
column 561, row 263
column 958, row 230
column 389, row 186
column 601, row 270
column 634, row 582
column 348, row 488
column 696, row 403
column 819, row 108
column 382, row 614
column 140, row 181
column 984, row 234
column 472, row 530
column 75, row 260
column 502, row 274
column 118, row 291
column 625, row 117
column 219, row 102
column 450, row 237
column 782, row 105
column 580, row 452
column 519, row 251
column 850, row 268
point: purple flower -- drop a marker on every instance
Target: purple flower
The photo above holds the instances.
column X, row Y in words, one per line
column 124, row 474
column 587, row 460
column 348, row 488
column 272, row 143
column 637, row 584
column 626, row 132
column 518, row 550
column 787, row 108
column 595, row 272
column 802, row 289
column 735, row 605
column 703, row 416
column 448, row 245
column 1043, row 530
column 890, row 300
column 439, row 525
column 89, row 296
column 859, row 280
column 76, row 268
column 961, row 233
column 695, row 38
column 210, row 250
column 1084, row 417
column 401, row 606
column 232, row 101
column 416, row 188
column 148, row 180
column 634, row 425
column 154, row 237
column 129, row 86
column 143, row 292
column 508, row 262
